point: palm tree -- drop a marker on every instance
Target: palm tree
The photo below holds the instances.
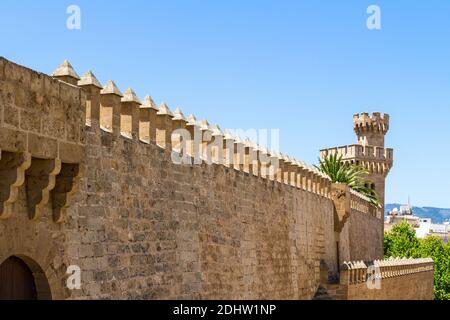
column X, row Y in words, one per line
column 352, row 175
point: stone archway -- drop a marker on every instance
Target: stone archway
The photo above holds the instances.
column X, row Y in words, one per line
column 21, row 278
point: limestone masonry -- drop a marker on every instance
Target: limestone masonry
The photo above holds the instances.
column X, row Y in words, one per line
column 88, row 178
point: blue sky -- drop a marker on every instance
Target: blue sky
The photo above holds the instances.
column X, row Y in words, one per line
column 304, row 67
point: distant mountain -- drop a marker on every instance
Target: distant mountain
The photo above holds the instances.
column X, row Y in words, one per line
column 437, row 215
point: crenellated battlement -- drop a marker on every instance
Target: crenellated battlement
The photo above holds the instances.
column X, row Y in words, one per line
column 377, row 160
column 54, row 124
column 371, row 123
column 356, row 272
column 194, row 141
column 357, row 151
column 124, row 115
column 371, row 129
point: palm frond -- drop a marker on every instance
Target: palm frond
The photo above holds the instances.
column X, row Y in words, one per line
column 353, row 175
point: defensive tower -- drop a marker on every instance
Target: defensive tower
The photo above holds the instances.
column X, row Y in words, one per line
column 370, row 151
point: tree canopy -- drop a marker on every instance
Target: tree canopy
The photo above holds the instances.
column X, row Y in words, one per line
column 401, row 241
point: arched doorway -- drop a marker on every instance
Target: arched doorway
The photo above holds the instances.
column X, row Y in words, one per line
column 22, row 279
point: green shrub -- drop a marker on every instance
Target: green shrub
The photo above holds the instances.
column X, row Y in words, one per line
column 401, row 241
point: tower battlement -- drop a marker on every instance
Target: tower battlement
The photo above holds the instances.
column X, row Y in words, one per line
column 375, row 159
column 376, row 122
column 371, row 129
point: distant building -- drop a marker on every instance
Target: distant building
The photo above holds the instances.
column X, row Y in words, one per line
column 405, row 214
column 441, row 231
column 424, row 226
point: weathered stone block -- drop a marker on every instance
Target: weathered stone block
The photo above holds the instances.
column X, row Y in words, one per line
column 73, row 132
column 11, row 115
column 18, row 73
column 53, row 128
column 71, row 153
column 30, row 121
column 12, row 140
column 22, row 97
column 70, row 94
column 37, row 83
column 51, row 87
column 42, row 147
column 85, row 251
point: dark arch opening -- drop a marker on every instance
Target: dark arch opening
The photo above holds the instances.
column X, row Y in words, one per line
column 21, row 278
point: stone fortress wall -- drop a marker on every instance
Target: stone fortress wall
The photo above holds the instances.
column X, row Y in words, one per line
column 88, row 179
